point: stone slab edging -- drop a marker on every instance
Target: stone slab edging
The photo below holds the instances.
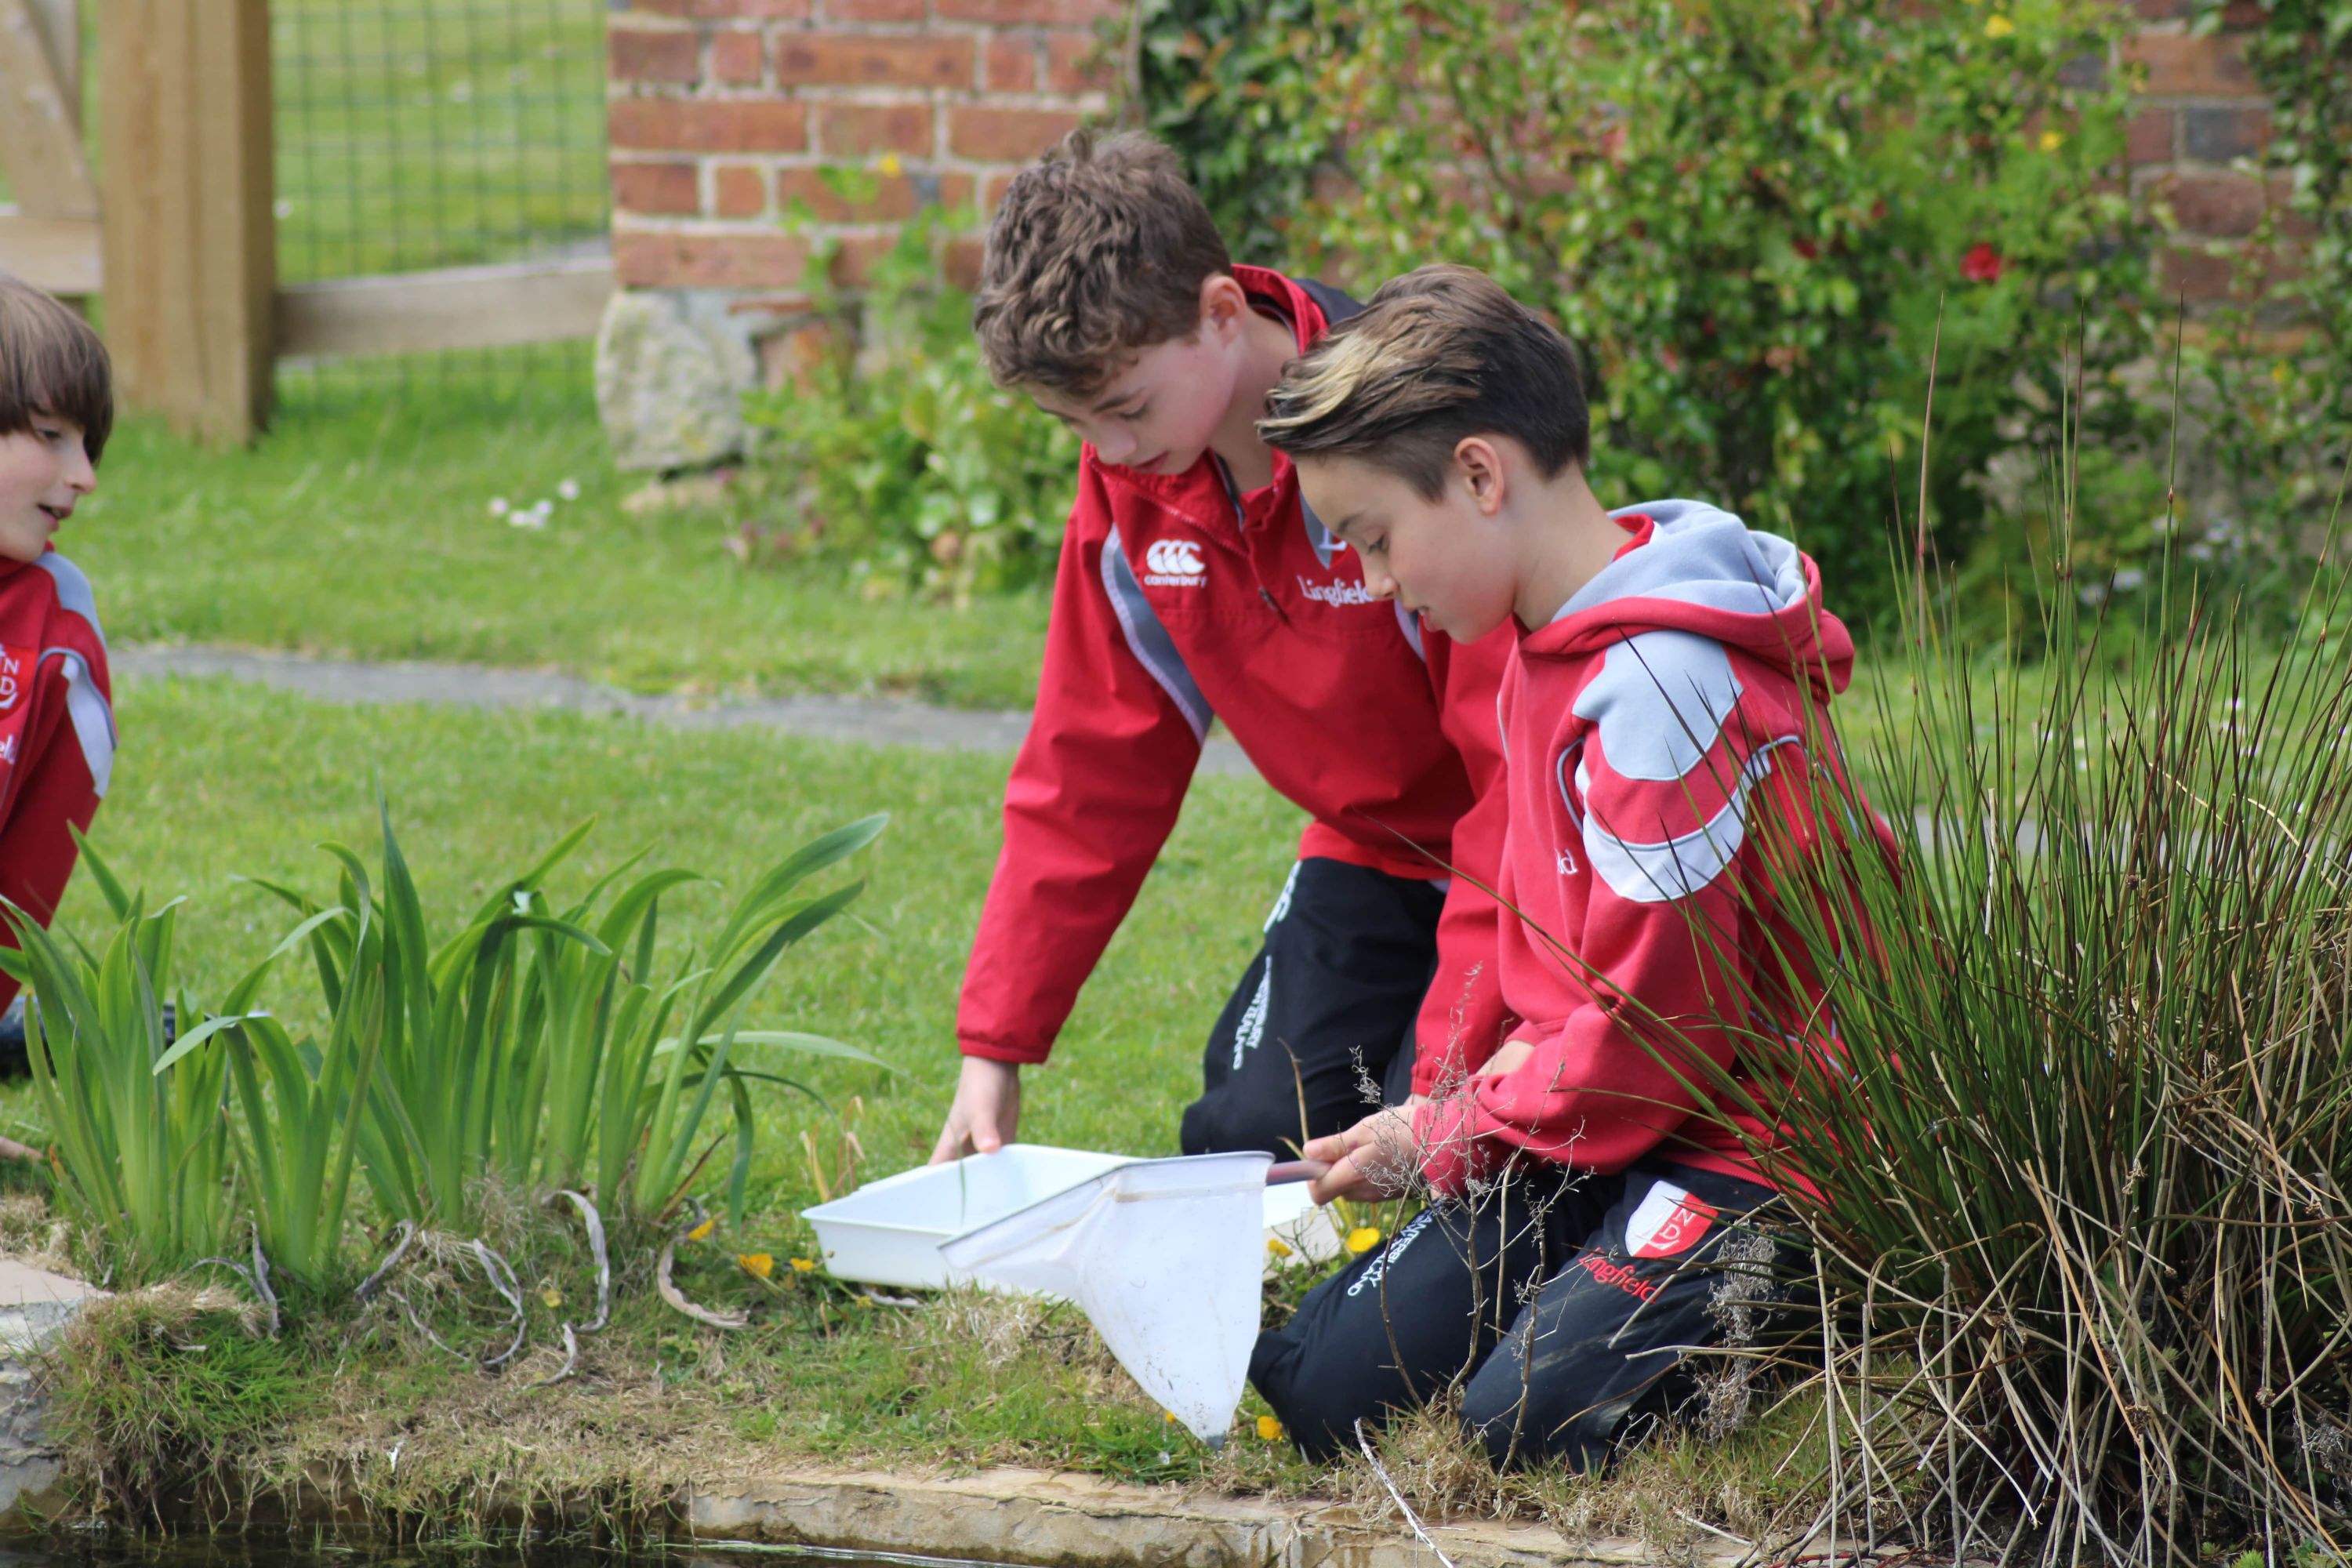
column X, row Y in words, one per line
column 1046, row 1519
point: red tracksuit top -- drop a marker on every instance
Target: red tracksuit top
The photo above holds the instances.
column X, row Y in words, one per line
column 57, row 732
column 1176, row 600
column 1660, row 739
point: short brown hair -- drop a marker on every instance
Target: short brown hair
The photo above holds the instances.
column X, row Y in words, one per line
column 1098, row 250
column 1439, row 354
column 51, row 362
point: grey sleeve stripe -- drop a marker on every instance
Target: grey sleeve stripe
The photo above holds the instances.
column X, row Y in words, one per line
column 1149, row 639
column 93, row 720
column 73, row 590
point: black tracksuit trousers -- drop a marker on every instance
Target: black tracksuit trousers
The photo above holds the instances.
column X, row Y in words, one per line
column 1565, row 1307
column 1325, row 1008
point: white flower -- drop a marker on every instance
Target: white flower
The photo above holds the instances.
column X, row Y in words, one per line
column 2094, row 595
column 498, row 506
column 569, row 489
column 2130, row 580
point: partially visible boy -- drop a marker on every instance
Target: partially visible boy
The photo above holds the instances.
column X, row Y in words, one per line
column 56, row 713
column 1193, row 585
column 1664, row 734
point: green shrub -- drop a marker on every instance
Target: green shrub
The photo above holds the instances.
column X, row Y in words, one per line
column 1764, row 226
column 907, row 460
column 1226, row 84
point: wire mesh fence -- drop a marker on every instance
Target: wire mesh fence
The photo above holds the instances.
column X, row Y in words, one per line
column 417, row 135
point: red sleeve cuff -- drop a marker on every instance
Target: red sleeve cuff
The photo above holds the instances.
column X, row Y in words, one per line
column 989, row 1051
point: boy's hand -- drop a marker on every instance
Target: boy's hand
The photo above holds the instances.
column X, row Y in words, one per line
column 1374, row 1159
column 986, row 1112
column 1510, row 1057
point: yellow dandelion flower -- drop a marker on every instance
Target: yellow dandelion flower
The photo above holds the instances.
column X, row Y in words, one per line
column 1169, row 1415
column 864, row 1300
column 552, row 1297
column 759, row 1265
column 1269, row 1428
column 1278, row 1246
column 1362, row 1240
column 2278, row 372
column 890, row 164
column 1999, row 26
column 2052, row 140
column 699, row 1231
column 804, row 1265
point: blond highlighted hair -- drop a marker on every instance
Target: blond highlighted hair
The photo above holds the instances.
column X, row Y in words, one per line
column 1439, row 354
column 1097, row 251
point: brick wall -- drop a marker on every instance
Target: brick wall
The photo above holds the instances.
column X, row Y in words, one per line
column 724, row 111
column 2201, row 110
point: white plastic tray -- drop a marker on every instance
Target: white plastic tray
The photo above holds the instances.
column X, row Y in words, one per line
column 888, row 1232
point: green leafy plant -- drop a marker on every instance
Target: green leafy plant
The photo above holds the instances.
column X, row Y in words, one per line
column 139, row 1141
column 1763, row 226
column 906, row 458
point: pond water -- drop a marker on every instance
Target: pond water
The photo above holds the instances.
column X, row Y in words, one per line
column 270, row 1549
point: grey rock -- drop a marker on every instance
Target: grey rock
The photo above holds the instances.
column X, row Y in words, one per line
column 35, row 1308
column 671, row 371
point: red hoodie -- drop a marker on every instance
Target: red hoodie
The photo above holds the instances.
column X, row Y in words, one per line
column 1659, row 738
column 1178, row 601
column 57, row 732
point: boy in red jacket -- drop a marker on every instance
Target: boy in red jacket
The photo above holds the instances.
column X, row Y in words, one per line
column 56, row 714
column 1597, row 1176
column 1194, row 586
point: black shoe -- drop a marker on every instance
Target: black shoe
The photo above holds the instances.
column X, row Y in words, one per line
column 14, row 1062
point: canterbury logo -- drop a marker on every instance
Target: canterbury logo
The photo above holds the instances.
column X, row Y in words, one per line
column 1173, row 558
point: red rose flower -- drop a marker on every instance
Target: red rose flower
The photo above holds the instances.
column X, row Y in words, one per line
column 1982, row 264
column 1808, row 249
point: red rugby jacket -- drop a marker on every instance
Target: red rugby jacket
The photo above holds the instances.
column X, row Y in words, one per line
column 56, row 730
column 1175, row 601
column 1660, row 763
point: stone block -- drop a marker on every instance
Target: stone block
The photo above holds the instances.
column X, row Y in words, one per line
column 671, row 371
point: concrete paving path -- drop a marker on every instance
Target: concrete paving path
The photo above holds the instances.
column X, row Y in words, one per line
column 866, row 720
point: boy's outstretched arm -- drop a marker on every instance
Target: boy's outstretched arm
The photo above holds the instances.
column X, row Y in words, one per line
column 1094, row 794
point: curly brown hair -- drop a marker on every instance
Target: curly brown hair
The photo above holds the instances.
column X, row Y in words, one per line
column 52, row 362
column 1099, row 250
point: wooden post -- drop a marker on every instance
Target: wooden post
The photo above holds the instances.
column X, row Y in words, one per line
column 186, row 192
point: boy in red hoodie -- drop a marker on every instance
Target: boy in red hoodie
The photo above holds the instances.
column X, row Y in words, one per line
column 1595, row 1179
column 56, row 714
column 1193, row 584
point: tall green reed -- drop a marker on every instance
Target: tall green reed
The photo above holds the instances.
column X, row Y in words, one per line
column 138, row 1142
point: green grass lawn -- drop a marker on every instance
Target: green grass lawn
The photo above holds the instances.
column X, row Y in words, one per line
column 361, row 526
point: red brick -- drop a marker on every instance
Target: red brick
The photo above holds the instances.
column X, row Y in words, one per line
column 1050, row 13
column 2192, row 68
column 894, row 197
column 738, row 190
column 2163, row 10
column 1011, row 65
column 874, row 10
column 1079, row 62
column 638, row 55
column 1006, row 135
column 2225, row 205
column 2148, row 137
column 992, row 189
column 667, row 188
column 693, row 125
column 728, row 10
column 738, row 58
column 961, row 266
column 2197, row 275
column 645, row 260
column 860, row 128
column 858, row 59
column 2217, row 135
column 855, row 257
